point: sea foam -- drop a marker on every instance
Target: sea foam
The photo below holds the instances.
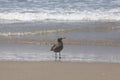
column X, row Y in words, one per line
column 112, row 15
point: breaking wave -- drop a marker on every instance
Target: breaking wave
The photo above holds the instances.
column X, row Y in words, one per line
column 73, row 16
column 59, row 10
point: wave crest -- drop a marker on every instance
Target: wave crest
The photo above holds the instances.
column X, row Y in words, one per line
column 75, row 16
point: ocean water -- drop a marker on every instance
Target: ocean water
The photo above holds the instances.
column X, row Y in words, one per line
column 28, row 29
column 60, row 10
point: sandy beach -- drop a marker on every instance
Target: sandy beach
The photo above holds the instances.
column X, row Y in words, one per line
column 58, row 71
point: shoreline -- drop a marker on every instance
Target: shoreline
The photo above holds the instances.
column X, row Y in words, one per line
column 69, row 42
column 51, row 70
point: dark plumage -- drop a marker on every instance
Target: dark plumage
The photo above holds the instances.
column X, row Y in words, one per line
column 58, row 47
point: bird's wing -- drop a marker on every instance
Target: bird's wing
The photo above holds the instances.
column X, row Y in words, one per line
column 55, row 46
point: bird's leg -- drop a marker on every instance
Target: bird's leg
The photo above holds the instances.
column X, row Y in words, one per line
column 59, row 55
column 55, row 56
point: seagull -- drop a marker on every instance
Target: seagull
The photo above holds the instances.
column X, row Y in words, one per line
column 57, row 48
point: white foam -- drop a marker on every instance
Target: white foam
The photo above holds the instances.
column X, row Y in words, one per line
column 42, row 32
column 46, row 56
column 63, row 16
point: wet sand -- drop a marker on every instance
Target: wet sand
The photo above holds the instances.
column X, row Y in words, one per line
column 58, row 71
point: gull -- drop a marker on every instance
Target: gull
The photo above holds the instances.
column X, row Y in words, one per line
column 57, row 48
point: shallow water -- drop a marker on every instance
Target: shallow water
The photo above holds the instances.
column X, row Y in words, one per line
column 85, row 41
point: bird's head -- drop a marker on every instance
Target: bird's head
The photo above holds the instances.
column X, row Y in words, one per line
column 60, row 39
